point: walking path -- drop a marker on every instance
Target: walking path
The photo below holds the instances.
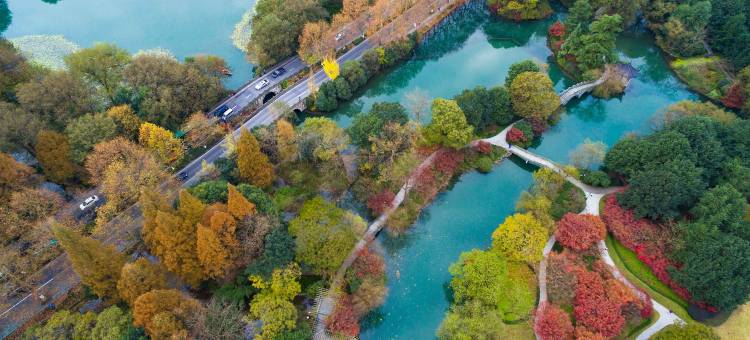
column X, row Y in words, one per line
column 593, row 196
column 577, row 90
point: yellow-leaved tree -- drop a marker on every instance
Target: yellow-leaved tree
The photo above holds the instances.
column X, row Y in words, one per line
column 252, row 163
column 331, row 68
column 161, row 142
column 217, row 244
column 521, row 237
column 286, row 141
column 97, row 265
column 165, row 313
column 138, row 278
column 237, row 204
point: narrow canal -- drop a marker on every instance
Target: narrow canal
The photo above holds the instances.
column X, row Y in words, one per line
column 478, row 50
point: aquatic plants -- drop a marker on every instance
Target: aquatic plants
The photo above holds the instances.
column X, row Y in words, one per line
column 46, row 50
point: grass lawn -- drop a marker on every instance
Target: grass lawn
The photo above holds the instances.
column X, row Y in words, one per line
column 736, row 327
column 641, row 275
column 704, row 75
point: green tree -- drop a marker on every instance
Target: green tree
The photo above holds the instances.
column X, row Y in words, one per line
column 715, row 268
column 19, row 128
column 97, row 265
column 693, row 330
column 273, row 304
column 518, row 68
column 448, row 126
column 17, row 69
column 472, row 321
column 112, row 323
column 737, row 175
column 276, row 27
column 86, row 131
column 368, row 125
column 102, row 64
column 354, row 74
column 57, row 97
column 324, row 235
column 253, row 164
column 484, row 107
column 321, row 139
column 595, row 48
column 533, row 96
column 663, row 192
column 724, row 209
column 580, row 14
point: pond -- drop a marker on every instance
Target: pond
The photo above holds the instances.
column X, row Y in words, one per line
column 185, row 27
column 478, row 50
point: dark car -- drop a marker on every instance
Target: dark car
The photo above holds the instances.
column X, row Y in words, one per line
column 218, row 112
column 182, row 176
column 277, row 72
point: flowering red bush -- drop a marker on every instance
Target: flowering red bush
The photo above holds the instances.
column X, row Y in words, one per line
column 380, row 202
column 552, row 323
column 735, row 97
column 593, row 309
column 447, row 161
column 368, row 264
column 483, row 147
column 516, row 136
column 580, row 232
column 557, row 30
column 344, row 320
column 645, row 238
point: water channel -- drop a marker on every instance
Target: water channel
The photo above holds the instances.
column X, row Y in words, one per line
column 474, row 49
column 478, row 50
column 184, row 27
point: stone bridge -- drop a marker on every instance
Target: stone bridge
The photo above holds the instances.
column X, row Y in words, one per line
column 578, row 90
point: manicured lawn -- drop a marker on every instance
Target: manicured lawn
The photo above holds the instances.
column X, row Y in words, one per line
column 736, row 327
column 641, row 275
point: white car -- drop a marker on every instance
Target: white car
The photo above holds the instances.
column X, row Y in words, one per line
column 263, row 83
column 339, row 36
column 89, row 201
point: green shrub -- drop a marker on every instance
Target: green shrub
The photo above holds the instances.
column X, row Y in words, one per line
column 484, row 164
column 596, row 178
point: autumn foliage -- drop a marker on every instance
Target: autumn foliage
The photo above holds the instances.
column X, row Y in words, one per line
column 380, row 202
column 557, row 30
column 580, row 231
column 735, row 97
column 593, row 309
column 344, row 320
column 516, row 136
column 253, row 165
column 552, row 323
column 138, row 278
column 164, row 313
column 483, row 147
column 648, row 240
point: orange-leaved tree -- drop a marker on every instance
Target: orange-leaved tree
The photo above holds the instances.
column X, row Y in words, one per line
column 164, row 313
column 138, row 278
column 253, row 164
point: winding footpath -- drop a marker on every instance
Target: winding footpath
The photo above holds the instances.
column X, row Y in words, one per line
column 593, row 196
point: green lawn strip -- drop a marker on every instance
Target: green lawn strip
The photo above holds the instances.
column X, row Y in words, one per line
column 638, row 329
column 642, row 276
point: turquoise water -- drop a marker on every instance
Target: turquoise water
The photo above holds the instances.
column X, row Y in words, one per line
column 185, row 27
column 479, row 51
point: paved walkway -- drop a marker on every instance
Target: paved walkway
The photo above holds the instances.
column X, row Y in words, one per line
column 579, row 89
column 593, row 196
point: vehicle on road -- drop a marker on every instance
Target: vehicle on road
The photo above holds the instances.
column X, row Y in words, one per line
column 88, row 202
column 221, row 110
column 339, row 36
column 261, row 84
column 277, row 72
column 182, row 176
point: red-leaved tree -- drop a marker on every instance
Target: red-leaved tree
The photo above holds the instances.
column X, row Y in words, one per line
column 381, row 201
column 585, row 334
column 344, row 320
column 369, row 264
column 516, row 136
column 580, row 232
column 593, row 309
column 735, row 96
column 538, row 126
column 483, row 147
column 447, row 161
column 557, row 30
column 552, row 323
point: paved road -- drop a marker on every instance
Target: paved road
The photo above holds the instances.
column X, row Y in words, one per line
column 57, row 277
